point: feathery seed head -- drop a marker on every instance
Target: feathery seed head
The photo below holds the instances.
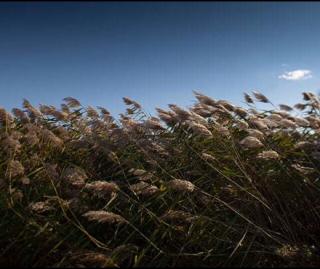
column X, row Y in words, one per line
column 314, row 122
column 222, row 130
column 255, row 133
column 248, row 98
column 203, row 99
column 251, row 142
column 72, row 102
column 300, row 106
column 33, row 112
column 199, row 119
column 92, row 113
column 154, row 124
column 49, row 137
column 260, row 97
column 274, row 117
column 302, row 169
column 285, row 107
column 181, row 113
column 242, row 125
column 103, row 110
column 288, row 251
column 102, row 188
column 200, row 129
column 75, row 176
column 268, row 154
column 144, row 189
column 208, row 157
column 102, row 216
column 283, row 114
column 47, row 110
column 177, row 216
column 241, row 112
column 60, row 115
column 5, row 117
column 259, row 123
column 301, row 122
column 181, row 185
column 307, row 96
column 226, row 105
column 65, row 109
column 93, row 259
column 40, row 207
column 129, row 102
column 270, row 123
column 137, row 172
column 287, row 123
column 21, row 115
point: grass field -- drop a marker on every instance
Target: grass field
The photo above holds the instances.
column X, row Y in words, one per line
column 212, row 185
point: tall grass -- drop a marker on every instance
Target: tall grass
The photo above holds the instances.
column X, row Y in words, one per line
column 212, row 185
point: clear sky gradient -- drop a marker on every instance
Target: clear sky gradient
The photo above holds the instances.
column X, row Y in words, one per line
column 156, row 53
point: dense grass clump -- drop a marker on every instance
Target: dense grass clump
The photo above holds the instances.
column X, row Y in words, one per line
column 212, row 185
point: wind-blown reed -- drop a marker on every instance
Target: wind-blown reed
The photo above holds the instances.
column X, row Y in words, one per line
column 211, row 185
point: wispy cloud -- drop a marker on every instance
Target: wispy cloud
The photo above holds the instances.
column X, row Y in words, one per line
column 296, row 74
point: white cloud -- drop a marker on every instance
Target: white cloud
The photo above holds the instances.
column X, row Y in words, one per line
column 296, row 75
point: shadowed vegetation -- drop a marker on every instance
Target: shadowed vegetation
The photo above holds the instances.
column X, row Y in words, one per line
column 211, row 185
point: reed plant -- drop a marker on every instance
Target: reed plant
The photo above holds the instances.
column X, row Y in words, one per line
column 211, row 185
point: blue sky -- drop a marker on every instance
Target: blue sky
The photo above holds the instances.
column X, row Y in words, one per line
column 157, row 53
